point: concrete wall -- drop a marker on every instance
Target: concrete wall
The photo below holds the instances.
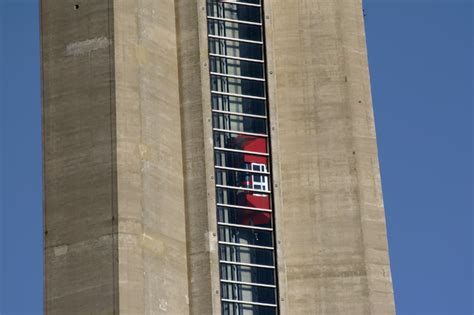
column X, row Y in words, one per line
column 330, row 217
column 193, row 114
column 129, row 193
column 79, row 177
column 114, row 190
column 151, row 213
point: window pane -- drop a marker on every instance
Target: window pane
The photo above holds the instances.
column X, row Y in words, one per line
column 251, row 1
column 237, row 160
column 242, row 179
column 237, row 86
column 246, row 255
column 245, row 217
column 238, row 104
column 235, row 49
column 234, row 12
column 239, row 123
column 235, row 30
column 236, row 272
column 229, row 178
column 245, row 199
column 236, row 67
column 245, row 236
column 248, row 293
column 242, row 309
column 240, row 142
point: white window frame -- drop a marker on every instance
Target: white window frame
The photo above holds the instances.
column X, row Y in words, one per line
column 261, row 184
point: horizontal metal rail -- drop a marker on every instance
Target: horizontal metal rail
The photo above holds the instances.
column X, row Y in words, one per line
column 249, row 283
column 239, row 95
column 244, row 189
column 210, row 17
column 237, row 76
column 240, row 3
column 248, row 302
column 236, row 263
column 238, row 114
column 243, row 170
column 234, row 39
column 243, row 207
column 236, row 58
column 241, row 132
column 246, row 245
column 250, row 227
column 241, row 151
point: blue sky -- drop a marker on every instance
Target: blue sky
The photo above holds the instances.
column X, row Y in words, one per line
column 421, row 62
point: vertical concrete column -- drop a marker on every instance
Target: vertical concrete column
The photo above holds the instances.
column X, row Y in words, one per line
column 79, row 161
column 194, row 158
column 366, row 166
column 331, row 218
column 152, row 255
column 114, row 189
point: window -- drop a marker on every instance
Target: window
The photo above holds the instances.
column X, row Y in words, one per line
column 259, row 181
column 247, row 257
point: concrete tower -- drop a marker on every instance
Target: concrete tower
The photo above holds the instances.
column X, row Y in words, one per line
column 210, row 157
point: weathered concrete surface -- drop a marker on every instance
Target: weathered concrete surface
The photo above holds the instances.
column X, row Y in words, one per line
column 152, row 249
column 114, row 195
column 78, row 158
column 193, row 109
column 331, row 217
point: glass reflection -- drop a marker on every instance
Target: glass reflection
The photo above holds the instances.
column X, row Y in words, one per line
column 234, row 272
column 234, row 30
column 246, row 255
column 235, row 49
column 238, row 104
column 240, row 142
column 236, row 67
column 244, row 217
column 239, row 123
column 234, row 12
column 237, row 86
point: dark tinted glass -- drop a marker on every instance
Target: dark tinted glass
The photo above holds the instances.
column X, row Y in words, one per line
column 246, row 255
column 240, row 142
column 237, row 291
column 238, row 309
column 245, row 236
column 237, row 86
column 236, row 67
column 239, row 123
column 231, row 178
column 236, row 272
column 251, row 1
column 237, row 160
column 235, row 49
column 242, row 198
column 235, row 30
column 234, row 11
column 238, row 216
column 238, row 179
column 238, row 104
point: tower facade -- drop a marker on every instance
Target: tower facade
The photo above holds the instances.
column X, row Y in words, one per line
column 210, row 157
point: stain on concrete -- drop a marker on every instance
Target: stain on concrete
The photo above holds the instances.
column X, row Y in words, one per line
column 87, row 46
column 163, row 305
column 60, row 250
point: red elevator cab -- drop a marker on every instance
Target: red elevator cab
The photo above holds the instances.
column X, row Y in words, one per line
column 256, row 181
